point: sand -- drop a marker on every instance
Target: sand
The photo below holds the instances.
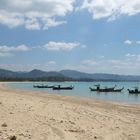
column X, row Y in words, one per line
column 37, row 116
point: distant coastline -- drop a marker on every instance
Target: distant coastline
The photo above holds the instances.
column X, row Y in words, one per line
column 65, row 75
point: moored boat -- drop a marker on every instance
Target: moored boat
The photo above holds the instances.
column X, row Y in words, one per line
column 134, row 91
column 106, row 89
column 62, row 88
column 42, row 86
column 118, row 90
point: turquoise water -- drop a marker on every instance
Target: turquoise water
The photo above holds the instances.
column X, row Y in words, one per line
column 82, row 89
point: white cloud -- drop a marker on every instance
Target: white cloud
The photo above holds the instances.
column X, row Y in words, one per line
column 12, row 49
column 32, row 24
column 52, row 62
column 134, row 58
column 101, row 57
column 130, row 55
column 138, row 58
column 34, row 14
column 131, row 61
column 83, row 46
column 111, row 9
column 5, row 54
column 129, row 42
column 89, row 62
column 7, row 51
column 11, row 19
column 127, row 64
column 138, row 42
column 56, row 46
column 52, row 23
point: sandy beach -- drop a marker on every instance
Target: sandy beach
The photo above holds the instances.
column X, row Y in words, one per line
column 37, row 116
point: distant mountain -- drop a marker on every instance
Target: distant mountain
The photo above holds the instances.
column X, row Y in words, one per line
column 32, row 75
column 39, row 74
column 99, row 76
column 64, row 75
column 75, row 74
column 7, row 73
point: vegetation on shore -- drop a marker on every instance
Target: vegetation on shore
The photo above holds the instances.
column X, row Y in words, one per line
column 64, row 75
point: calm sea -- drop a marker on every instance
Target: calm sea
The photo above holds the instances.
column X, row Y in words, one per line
column 82, row 89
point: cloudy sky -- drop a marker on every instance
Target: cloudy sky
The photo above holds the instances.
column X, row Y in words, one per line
column 96, row 36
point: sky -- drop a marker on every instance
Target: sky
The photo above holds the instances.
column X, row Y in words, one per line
column 94, row 36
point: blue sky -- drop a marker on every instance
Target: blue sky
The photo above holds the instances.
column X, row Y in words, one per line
column 95, row 36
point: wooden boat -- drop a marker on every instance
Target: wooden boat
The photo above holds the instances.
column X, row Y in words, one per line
column 42, row 86
column 112, row 89
column 134, row 91
column 106, row 88
column 62, row 88
column 118, row 90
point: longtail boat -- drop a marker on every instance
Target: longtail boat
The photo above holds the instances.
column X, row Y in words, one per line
column 134, row 91
column 112, row 89
column 62, row 88
column 42, row 86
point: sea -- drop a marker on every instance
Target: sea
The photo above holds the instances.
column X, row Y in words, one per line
column 81, row 89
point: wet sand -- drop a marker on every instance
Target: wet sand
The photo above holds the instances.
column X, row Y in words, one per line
column 31, row 115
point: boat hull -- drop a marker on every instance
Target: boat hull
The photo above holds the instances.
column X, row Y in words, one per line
column 133, row 92
column 106, row 90
column 62, row 88
column 42, row 86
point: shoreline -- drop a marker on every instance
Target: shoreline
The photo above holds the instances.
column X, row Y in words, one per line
column 57, row 94
column 38, row 116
